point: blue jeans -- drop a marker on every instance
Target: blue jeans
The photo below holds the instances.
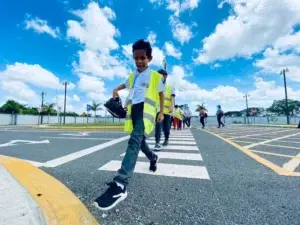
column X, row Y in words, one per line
column 136, row 142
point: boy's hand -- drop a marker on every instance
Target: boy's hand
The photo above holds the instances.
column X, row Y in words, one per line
column 115, row 93
column 160, row 117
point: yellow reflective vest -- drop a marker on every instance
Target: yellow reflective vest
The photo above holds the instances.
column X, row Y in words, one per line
column 150, row 104
column 178, row 114
column 168, row 101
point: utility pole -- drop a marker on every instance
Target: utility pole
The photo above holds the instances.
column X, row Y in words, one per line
column 165, row 64
column 286, row 96
column 247, row 108
column 65, row 101
column 42, row 105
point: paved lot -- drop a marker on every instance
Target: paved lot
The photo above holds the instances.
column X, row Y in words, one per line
column 201, row 179
column 276, row 148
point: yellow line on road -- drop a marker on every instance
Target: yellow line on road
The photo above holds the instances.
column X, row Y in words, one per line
column 277, row 169
column 292, row 164
column 275, row 154
column 59, row 205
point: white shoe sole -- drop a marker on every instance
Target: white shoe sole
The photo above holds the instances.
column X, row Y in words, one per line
column 123, row 197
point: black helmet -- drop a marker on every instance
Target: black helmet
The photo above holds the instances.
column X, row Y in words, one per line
column 115, row 108
column 162, row 72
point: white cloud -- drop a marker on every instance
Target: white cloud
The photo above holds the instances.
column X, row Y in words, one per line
column 273, row 62
column 253, row 25
column 178, row 6
column 290, row 41
column 41, row 26
column 217, row 65
column 127, row 50
column 152, row 37
column 18, row 91
column 158, row 56
column 181, row 32
column 76, row 98
column 94, row 31
column 172, row 51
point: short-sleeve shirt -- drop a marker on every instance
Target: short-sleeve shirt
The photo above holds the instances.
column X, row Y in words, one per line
column 138, row 92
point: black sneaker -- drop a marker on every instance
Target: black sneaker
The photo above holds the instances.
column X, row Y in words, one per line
column 111, row 197
column 153, row 164
column 157, row 147
column 165, row 143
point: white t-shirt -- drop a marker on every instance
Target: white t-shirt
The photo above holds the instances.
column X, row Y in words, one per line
column 138, row 93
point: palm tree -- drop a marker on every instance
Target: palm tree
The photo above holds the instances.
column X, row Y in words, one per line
column 95, row 107
column 49, row 109
column 201, row 107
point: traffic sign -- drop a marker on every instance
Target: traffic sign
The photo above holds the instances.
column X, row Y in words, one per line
column 88, row 107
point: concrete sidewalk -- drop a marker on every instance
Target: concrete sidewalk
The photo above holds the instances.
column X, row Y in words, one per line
column 29, row 196
column 16, row 204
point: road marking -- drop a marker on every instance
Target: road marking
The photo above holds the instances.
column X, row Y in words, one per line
column 230, row 138
column 279, row 170
column 290, row 141
column 244, row 141
column 78, row 138
column 292, row 164
column 281, row 146
column 237, row 132
column 174, row 138
column 275, row 154
column 163, row 169
column 80, row 134
column 270, row 140
column 178, row 147
column 15, row 142
column 263, row 139
column 174, row 155
column 181, row 136
column 84, row 152
column 171, row 142
column 36, row 164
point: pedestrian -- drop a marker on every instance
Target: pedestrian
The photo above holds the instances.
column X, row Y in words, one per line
column 168, row 110
column 203, row 116
column 220, row 114
column 178, row 117
column 187, row 117
column 144, row 87
column 175, row 118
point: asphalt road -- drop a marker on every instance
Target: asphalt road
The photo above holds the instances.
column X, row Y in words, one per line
column 209, row 182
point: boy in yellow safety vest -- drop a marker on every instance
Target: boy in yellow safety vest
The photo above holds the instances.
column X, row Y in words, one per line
column 168, row 109
column 144, row 86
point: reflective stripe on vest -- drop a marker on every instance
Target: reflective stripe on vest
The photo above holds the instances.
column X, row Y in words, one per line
column 150, row 103
column 168, row 102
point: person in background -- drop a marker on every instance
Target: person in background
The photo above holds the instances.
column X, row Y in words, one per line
column 187, row 117
column 168, row 109
column 203, row 116
column 220, row 114
column 144, row 86
column 181, row 118
column 176, row 117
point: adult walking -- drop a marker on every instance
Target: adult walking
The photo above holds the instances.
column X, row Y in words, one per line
column 168, row 109
column 187, row 117
column 220, row 114
column 203, row 115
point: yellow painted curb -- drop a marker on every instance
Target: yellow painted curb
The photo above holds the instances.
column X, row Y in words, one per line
column 277, row 169
column 59, row 205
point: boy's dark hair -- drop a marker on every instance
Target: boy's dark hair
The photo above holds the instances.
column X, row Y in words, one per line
column 143, row 45
column 176, row 106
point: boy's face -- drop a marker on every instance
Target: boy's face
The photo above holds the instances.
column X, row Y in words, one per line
column 141, row 59
column 165, row 78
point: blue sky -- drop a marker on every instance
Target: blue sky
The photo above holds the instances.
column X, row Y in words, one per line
column 216, row 50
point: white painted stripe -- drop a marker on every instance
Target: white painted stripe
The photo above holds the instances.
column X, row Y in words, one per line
column 79, row 138
column 84, row 152
column 176, row 142
column 178, row 147
column 175, row 155
column 181, row 136
column 36, row 164
column 258, row 134
column 270, row 140
column 176, row 138
column 163, row 169
column 292, row 164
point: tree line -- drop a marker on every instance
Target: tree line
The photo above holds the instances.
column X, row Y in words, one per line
column 11, row 106
column 278, row 108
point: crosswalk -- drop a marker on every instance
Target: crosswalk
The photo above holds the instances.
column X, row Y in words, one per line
column 182, row 146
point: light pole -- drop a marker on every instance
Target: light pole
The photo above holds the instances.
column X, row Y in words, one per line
column 286, row 96
column 165, row 64
column 65, row 101
column 42, row 105
column 247, row 108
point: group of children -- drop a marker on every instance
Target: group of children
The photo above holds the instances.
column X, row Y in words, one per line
column 181, row 117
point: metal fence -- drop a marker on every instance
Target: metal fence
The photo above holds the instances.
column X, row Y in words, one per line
column 16, row 119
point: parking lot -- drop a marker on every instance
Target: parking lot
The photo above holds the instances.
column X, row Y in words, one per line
column 276, row 148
